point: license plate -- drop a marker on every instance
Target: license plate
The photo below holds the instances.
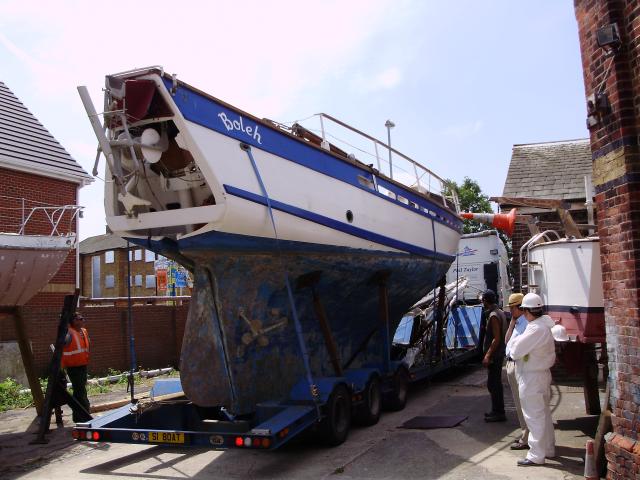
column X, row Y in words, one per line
column 166, row 437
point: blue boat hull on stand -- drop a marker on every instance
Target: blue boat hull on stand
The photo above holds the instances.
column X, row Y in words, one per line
column 240, row 345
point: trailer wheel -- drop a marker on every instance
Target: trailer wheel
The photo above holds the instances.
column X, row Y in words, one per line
column 396, row 399
column 334, row 427
column 369, row 412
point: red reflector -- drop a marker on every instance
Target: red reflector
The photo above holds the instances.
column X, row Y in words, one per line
column 239, row 442
column 96, row 436
column 75, row 434
column 256, row 442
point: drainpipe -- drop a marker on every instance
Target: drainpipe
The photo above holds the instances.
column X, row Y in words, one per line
column 80, row 185
column 588, row 189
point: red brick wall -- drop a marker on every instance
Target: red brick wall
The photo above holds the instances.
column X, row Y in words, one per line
column 158, row 331
column 40, row 191
column 616, row 177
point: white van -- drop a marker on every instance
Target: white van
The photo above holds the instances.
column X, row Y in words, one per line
column 482, row 258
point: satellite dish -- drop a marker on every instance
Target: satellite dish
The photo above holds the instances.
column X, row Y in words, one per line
column 149, row 145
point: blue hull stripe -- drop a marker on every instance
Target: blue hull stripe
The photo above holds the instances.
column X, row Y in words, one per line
column 343, row 227
column 213, row 115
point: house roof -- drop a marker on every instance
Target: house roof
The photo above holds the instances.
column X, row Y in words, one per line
column 101, row 243
column 553, row 170
column 26, row 145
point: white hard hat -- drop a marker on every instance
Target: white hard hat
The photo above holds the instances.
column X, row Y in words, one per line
column 531, row 300
column 559, row 333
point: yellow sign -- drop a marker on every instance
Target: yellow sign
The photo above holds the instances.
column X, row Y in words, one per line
column 166, row 437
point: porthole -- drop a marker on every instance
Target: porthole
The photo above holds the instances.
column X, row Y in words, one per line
column 349, row 216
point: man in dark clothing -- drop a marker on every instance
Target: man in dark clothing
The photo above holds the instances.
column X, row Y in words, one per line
column 493, row 359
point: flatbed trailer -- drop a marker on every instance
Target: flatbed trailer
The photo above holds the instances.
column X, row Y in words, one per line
column 329, row 405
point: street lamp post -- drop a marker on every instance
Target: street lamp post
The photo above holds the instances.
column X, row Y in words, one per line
column 389, row 124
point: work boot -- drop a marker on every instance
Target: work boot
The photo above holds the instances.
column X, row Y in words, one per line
column 496, row 417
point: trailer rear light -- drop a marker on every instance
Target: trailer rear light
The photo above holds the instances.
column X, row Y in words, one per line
column 88, row 435
column 75, row 434
column 256, row 442
column 283, row 433
column 247, row 441
column 239, row 442
column 266, row 443
column 96, row 436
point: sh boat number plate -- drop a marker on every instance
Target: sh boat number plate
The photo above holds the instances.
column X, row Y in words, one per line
column 166, row 437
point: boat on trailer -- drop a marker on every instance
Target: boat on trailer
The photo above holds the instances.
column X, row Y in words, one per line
column 297, row 247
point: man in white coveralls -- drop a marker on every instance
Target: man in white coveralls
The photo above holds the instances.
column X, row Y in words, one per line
column 534, row 353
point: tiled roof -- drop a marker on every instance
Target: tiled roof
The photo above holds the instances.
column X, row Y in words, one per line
column 101, row 243
column 552, row 170
column 26, row 145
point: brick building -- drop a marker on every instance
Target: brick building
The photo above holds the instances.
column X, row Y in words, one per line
column 36, row 172
column 609, row 33
column 104, row 263
column 549, row 170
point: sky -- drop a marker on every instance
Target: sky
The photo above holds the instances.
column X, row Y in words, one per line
column 463, row 81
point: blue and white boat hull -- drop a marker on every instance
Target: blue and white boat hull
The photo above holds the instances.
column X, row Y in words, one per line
column 246, row 204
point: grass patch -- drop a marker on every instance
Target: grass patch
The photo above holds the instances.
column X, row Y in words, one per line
column 10, row 396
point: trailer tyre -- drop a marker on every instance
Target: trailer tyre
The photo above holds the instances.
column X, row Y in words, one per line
column 334, row 427
column 368, row 413
column 396, row 399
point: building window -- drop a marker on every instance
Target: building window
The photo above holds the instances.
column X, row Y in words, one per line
column 108, row 256
column 109, row 281
column 149, row 256
column 137, row 255
column 150, row 281
column 138, row 280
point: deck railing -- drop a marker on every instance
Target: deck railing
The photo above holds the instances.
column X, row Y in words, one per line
column 386, row 159
column 28, row 217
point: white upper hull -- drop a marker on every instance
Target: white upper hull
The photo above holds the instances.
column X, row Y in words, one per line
column 316, row 197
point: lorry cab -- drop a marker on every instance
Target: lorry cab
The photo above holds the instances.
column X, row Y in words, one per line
column 482, row 258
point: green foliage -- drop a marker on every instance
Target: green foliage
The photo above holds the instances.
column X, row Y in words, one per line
column 10, row 396
column 473, row 200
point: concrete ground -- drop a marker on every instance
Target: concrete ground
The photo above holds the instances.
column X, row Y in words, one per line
column 472, row 450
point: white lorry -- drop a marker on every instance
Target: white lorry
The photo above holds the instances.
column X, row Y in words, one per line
column 483, row 259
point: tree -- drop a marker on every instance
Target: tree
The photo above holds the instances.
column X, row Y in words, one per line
column 473, row 200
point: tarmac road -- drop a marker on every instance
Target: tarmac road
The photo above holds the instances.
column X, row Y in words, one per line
column 472, row 450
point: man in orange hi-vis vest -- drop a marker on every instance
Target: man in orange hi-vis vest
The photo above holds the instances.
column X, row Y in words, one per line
column 75, row 358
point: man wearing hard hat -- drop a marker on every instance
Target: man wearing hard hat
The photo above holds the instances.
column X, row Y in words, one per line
column 517, row 325
column 534, row 353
